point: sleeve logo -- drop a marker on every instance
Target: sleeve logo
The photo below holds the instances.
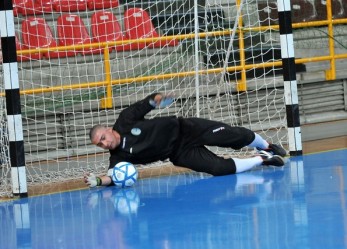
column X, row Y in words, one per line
column 135, row 131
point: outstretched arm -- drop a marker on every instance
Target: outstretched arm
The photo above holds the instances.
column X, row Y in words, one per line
column 92, row 181
column 138, row 110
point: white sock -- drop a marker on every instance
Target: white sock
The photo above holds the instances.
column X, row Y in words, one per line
column 245, row 164
column 259, row 142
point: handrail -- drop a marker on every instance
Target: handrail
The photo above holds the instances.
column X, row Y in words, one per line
column 107, row 102
column 179, row 37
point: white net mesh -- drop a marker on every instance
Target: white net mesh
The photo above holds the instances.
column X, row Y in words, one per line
column 5, row 169
column 64, row 91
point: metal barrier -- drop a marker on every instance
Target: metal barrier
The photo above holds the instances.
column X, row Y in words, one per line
column 242, row 86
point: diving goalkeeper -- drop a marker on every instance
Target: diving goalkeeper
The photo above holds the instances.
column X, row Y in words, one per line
column 181, row 140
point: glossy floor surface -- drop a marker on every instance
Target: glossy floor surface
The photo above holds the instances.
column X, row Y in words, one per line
column 302, row 205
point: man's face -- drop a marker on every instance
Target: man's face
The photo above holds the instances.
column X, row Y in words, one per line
column 106, row 138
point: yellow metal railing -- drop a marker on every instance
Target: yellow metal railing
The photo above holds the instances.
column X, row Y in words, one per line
column 241, row 85
column 330, row 74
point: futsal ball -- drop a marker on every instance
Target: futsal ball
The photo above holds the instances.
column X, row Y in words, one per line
column 124, row 174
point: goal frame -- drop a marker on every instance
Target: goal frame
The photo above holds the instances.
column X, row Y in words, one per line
column 12, row 91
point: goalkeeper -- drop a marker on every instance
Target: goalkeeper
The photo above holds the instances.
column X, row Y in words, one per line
column 181, row 140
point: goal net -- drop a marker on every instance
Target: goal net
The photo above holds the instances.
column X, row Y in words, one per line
column 218, row 59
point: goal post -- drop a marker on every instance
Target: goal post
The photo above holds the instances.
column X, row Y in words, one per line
column 12, row 145
column 289, row 77
column 81, row 65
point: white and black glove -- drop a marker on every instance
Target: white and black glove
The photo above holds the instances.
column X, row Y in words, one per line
column 91, row 180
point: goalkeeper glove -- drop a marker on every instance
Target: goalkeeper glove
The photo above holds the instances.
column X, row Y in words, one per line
column 92, row 181
column 164, row 102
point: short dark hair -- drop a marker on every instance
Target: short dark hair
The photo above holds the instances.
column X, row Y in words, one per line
column 94, row 129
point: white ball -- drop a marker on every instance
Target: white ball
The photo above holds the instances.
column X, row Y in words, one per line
column 124, row 174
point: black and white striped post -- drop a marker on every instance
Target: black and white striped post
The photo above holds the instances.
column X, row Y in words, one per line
column 13, row 106
column 289, row 77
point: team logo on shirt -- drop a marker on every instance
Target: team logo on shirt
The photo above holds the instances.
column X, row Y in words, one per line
column 135, row 131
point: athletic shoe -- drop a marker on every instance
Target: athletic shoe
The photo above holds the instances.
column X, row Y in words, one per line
column 269, row 159
column 275, row 150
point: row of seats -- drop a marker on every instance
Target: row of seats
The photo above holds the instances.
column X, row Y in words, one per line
column 105, row 27
column 35, row 7
column 302, row 11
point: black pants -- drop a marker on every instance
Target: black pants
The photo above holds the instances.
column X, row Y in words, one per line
column 197, row 133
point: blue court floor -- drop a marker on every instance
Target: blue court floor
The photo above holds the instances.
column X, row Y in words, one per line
column 302, row 205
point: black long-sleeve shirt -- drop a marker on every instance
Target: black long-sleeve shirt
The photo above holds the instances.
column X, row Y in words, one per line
column 144, row 140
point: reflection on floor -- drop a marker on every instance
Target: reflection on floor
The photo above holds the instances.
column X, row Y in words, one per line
column 301, row 205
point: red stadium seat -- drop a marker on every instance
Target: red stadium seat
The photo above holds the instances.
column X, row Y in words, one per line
column 35, row 7
column 37, row 34
column 105, row 27
column 138, row 24
column 70, row 5
column 72, row 31
column 18, row 5
column 25, row 57
column 47, row 5
column 102, row 4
